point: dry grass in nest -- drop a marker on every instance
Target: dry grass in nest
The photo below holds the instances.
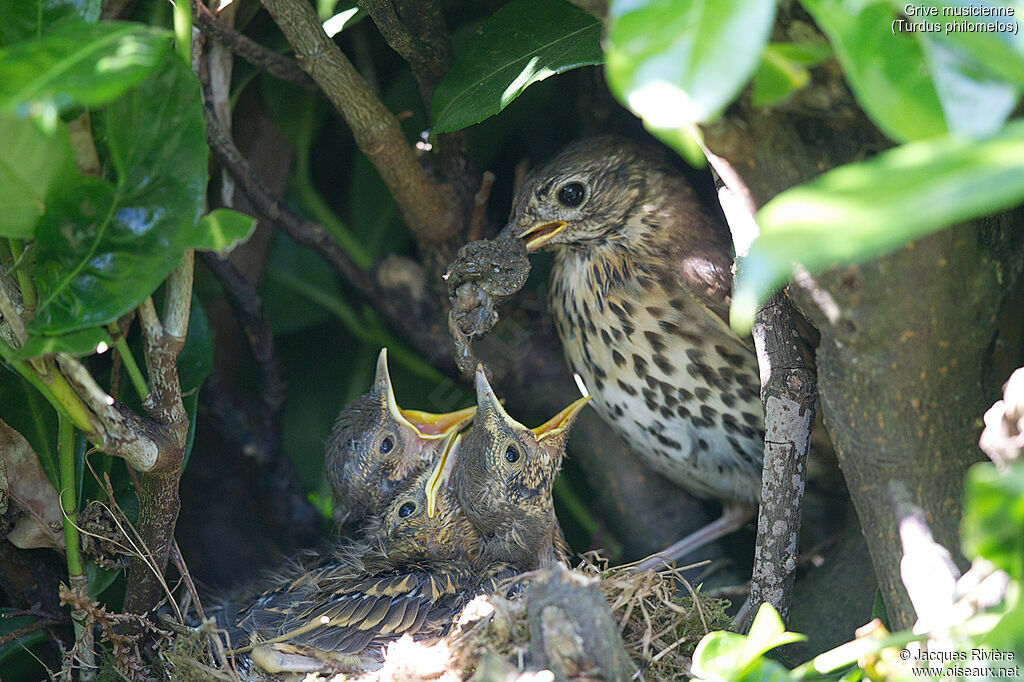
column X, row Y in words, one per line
column 659, row 626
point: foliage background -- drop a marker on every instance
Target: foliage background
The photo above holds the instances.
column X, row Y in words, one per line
column 945, row 106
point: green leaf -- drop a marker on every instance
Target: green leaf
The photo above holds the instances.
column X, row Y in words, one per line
column 886, row 72
column 83, row 342
column 866, row 209
column 30, row 162
column 223, row 229
column 727, row 655
column 24, row 19
column 993, row 523
column 102, row 248
column 767, row 632
column 972, row 102
column 522, row 43
column 99, row 578
column 783, row 70
column 78, row 63
column 1001, row 54
column 27, row 412
column 195, row 362
column 678, row 62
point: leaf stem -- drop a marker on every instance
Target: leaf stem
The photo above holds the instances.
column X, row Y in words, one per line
column 132, row 367
column 183, row 30
column 311, row 198
column 68, row 501
column 57, row 392
column 72, row 552
column 28, row 288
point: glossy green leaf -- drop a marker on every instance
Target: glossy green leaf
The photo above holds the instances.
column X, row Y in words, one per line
column 24, row 19
column 729, row 656
column 866, row 209
column 678, row 62
column 993, row 523
column 27, row 411
column 783, row 70
column 79, row 343
column 886, row 72
column 78, row 63
column 101, row 247
column 223, row 229
column 99, row 578
column 973, row 103
column 522, row 43
column 195, row 362
column 30, row 162
column 1001, row 53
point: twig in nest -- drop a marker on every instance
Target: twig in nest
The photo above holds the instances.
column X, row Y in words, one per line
column 125, row 646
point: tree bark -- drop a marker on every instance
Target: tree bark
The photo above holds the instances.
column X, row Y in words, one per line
column 901, row 384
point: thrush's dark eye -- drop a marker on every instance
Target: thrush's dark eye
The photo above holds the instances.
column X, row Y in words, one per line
column 406, row 509
column 387, row 445
column 512, row 453
column 572, row 194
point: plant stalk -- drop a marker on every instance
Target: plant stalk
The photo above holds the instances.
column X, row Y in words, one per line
column 76, row 571
column 132, row 367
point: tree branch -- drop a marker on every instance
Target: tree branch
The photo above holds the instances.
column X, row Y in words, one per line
column 431, row 343
column 428, row 207
column 248, row 49
column 789, row 395
column 789, row 398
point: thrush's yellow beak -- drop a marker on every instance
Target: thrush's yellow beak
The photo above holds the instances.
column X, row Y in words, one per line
column 561, row 421
column 541, row 233
column 429, row 426
column 442, row 470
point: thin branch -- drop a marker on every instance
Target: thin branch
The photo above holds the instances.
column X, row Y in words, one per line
column 161, row 352
column 179, row 301
column 790, row 400
column 248, row 49
column 126, row 434
column 789, row 395
column 428, row 207
column 427, row 50
column 10, row 314
column 433, row 345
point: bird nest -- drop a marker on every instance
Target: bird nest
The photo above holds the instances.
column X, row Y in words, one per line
column 660, row 619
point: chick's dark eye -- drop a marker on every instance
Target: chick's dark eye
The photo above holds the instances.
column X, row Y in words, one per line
column 572, row 194
column 387, row 445
column 512, row 453
column 406, row 509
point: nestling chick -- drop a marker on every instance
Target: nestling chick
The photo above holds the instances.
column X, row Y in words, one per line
column 503, row 478
column 375, row 446
column 411, row 575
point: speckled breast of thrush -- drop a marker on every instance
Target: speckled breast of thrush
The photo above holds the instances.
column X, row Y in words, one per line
column 640, row 292
column 411, row 574
column 503, row 480
column 375, row 446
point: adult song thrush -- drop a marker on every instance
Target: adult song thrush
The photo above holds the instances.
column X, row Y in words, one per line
column 503, row 479
column 376, row 445
column 640, row 293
